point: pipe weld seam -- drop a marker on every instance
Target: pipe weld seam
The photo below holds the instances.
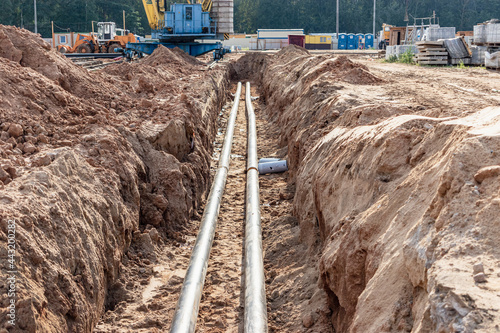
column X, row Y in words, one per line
column 252, row 168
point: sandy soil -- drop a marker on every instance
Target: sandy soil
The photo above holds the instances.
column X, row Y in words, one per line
column 296, row 303
column 385, row 222
column 387, row 171
column 98, row 169
column 152, row 304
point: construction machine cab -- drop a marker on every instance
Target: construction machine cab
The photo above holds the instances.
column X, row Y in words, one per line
column 106, row 31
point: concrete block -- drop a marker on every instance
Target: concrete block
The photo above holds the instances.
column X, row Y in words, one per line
column 478, row 55
column 492, row 60
column 493, row 33
column 480, row 34
column 434, row 34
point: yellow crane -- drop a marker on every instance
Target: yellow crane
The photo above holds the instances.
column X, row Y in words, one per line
column 155, row 11
column 206, row 5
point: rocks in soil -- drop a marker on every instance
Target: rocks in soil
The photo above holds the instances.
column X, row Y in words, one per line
column 478, row 268
column 487, row 172
column 308, row 320
column 15, row 130
column 480, row 278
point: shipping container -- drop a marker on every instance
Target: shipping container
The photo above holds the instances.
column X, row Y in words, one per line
column 296, row 40
column 271, row 43
column 318, row 42
column 278, row 33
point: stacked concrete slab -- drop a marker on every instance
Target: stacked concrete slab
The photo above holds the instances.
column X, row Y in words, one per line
column 389, row 52
column 398, row 50
column 435, row 34
column 480, row 34
column 478, row 57
column 457, row 48
column 492, row 33
column 222, row 12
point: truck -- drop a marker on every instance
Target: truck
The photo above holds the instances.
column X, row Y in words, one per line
column 385, row 36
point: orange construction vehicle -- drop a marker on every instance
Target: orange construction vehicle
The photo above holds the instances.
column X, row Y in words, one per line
column 108, row 39
column 385, row 35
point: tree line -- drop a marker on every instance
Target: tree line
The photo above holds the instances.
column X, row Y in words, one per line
column 357, row 15
column 250, row 15
column 73, row 15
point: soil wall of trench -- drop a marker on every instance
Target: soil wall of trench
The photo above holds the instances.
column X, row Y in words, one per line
column 96, row 169
column 400, row 203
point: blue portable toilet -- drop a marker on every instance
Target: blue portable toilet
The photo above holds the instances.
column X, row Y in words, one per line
column 359, row 40
column 342, row 42
column 351, row 41
column 368, row 41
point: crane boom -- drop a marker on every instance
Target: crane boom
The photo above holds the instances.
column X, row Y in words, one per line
column 155, row 11
column 206, row 5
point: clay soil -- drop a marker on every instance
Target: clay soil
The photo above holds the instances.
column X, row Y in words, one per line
column 387, row 220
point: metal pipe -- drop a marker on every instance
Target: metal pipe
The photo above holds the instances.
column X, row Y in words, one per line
column 337, row 26
column 374, row 16
column 255, row 293
column 36, row 23
column 186, row 311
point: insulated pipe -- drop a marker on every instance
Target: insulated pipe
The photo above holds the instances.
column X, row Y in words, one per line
column 186, row 311
column 255, row 293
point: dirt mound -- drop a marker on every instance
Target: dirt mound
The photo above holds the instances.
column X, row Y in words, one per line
column 164, row 56
column 188, row 58
column 27, row 49
column 292, row 51
column 391, row 195
column 341, row 69
column 361, row 76
column 249, row 67
column 408, row 226
column 90, row 164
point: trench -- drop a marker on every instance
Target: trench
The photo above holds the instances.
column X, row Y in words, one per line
column 355, row 234
column 291, row 271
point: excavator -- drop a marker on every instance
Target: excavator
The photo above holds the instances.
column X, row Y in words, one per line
column 183, row 26
column 108, row 39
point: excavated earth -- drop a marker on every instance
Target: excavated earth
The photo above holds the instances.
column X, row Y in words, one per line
column 387, row 220
column 396, row 170
column 98, row 170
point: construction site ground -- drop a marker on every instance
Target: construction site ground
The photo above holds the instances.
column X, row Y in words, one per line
column 384, row 222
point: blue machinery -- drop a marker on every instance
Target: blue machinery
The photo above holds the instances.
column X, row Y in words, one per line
column 185, row 26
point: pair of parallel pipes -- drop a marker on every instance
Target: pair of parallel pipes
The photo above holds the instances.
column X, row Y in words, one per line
column 186, row 313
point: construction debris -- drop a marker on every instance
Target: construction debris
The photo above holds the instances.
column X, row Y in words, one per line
column 492, row 60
